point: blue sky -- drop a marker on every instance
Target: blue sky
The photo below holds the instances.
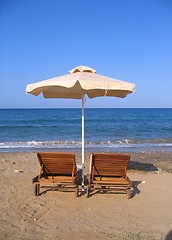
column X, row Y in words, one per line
column 124, row 39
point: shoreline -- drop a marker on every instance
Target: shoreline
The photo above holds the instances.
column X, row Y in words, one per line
column 125, row 145
column 60, row 215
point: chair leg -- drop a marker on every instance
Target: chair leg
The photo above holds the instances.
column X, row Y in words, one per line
column 36, row 189
column 128, row 193
column 76, row 191
column 88, row 191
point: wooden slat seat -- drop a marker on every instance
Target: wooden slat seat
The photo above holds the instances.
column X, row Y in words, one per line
column 109, row 171
column 57, row 171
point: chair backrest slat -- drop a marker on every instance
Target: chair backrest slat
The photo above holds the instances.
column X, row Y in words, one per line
column 57, row 163
column 110, row 164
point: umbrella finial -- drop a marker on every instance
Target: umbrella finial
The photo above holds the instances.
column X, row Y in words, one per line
column 82, row 69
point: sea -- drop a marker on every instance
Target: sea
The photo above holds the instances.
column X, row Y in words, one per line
column 106, row 130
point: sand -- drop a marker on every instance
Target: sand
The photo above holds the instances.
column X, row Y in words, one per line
column 59, row 215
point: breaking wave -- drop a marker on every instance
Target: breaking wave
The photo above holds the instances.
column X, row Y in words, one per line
column 125, row 144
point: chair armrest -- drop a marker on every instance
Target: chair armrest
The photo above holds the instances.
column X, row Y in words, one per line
column 129, row 180
column 35, row 179
column 78, row 176
column 90, row 170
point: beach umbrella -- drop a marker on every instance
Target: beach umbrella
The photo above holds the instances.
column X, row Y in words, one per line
column 80, row 82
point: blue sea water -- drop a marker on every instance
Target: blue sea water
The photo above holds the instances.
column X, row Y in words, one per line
column 128, row 130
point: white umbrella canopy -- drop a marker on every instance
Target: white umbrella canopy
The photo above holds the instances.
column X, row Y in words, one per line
column 81, row 81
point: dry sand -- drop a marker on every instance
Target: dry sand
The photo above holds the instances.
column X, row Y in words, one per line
column 59, row 215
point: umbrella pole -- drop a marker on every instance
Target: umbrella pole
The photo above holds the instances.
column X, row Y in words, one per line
column 83, row 140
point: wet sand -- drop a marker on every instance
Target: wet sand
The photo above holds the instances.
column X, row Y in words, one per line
column 59, row 215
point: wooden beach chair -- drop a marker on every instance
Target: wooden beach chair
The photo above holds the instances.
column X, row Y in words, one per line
column 108, row 172
column 58, row 171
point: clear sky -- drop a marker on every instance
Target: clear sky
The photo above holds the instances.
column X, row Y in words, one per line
column 129, row 40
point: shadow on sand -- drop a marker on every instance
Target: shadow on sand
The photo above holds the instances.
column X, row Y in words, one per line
column 169, row 236
column 149, row 167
